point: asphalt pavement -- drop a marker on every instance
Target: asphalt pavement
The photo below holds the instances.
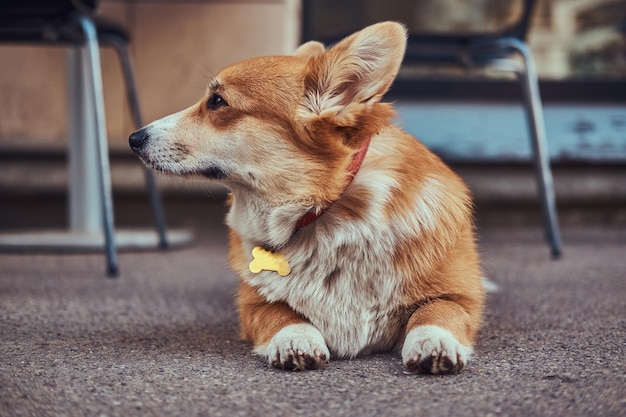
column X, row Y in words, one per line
column 162, row 339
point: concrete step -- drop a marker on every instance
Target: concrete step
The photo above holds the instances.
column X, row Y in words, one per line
column 504, row 193
column 46, row 172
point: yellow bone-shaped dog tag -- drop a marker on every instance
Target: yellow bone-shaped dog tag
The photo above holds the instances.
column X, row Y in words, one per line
column 269, row 261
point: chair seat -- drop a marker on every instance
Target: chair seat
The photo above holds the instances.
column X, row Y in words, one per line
column 455, row 38
column 49, row 30
column 468, row 48
column 40, row 9
column 471, row 48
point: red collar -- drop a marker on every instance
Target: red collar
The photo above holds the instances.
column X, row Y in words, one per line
column 353, row 168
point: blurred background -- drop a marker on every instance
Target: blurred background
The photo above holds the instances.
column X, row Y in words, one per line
column 474, row 123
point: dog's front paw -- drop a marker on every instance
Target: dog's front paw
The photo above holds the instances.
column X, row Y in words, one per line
column 434, row 350
column 296, row 347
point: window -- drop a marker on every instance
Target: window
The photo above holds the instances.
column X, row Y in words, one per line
column 579, row 45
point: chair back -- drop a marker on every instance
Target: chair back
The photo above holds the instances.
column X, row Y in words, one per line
column 330, row 20
column 519, row 29
column 44, row 9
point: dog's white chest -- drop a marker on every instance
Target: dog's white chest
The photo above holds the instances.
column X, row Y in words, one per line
column 344, row 290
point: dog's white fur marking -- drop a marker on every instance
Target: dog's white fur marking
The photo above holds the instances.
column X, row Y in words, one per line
column 435, row 348
column 428, row 204
column 297, row 347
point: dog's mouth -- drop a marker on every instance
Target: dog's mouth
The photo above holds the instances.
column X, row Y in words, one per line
column 148, row 162
column 214, row 173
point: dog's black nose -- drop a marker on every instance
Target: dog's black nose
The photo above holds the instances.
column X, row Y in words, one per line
column 137, row 139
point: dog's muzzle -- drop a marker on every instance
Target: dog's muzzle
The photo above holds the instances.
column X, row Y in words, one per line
column 138, row 139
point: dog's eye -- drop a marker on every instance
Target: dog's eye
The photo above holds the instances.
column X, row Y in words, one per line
column 215, row 102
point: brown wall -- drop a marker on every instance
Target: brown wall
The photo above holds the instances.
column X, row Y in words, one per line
column 176, row 46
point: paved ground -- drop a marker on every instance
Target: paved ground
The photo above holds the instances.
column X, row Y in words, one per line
column 162, row 339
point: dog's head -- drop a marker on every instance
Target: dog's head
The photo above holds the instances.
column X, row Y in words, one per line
column 283, row 127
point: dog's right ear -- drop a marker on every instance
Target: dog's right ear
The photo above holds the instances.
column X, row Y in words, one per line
column 309, row 50
column 358, row 70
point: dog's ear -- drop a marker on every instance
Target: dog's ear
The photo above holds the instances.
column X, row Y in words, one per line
column 359, row 69
column 309, row 50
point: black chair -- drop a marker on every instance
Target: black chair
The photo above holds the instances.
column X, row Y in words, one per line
column 73, row 23
column 477, row 50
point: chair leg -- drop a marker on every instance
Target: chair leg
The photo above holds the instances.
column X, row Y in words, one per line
column 534, row 113
column 94, row 78
column 121, row 47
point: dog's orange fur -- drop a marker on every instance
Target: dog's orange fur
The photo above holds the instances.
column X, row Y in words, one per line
column 300, row 120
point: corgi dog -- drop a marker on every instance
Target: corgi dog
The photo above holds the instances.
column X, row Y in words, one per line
column 349, row 236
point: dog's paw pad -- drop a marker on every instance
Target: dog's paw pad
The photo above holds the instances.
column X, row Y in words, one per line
column 297, row 347
column 433, row 350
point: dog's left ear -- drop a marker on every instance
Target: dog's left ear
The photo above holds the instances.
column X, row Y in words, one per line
column 309, row 50
column 359, row 69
